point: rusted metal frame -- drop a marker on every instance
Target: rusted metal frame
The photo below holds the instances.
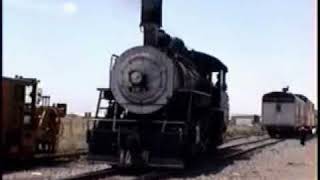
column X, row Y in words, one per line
column 33, row 83
column 45, row 101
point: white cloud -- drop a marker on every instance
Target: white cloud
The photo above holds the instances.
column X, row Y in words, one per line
column 70, row 8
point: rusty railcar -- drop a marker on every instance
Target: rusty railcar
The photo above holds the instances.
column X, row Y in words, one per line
column 29, row 125
column 18, row 120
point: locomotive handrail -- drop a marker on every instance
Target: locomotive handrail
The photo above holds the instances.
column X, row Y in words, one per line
column 114, row 119
column 189, row 113
column 194, row 91
column 112, row 60
column 131, row 120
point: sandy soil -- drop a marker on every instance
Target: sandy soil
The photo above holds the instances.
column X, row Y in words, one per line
column 59, row 171
column 287, row 160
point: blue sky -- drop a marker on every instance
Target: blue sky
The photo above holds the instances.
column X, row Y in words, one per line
column 67, row 44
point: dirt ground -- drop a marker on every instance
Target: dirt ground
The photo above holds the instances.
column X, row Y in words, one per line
column 287, row 160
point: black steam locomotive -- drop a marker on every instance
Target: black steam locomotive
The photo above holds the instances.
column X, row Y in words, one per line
column 165, row 105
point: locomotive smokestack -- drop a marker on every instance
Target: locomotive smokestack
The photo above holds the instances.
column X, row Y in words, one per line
column 151, row 20
column 151, row 12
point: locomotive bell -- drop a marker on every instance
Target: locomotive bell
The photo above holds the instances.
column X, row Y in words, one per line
column 141, row 79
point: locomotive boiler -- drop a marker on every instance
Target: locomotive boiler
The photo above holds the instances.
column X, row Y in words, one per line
column 165, row 105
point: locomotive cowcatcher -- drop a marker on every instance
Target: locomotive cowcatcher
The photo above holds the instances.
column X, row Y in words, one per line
column 166, row 104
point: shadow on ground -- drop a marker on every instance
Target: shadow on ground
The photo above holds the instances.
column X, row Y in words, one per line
column 16, row 166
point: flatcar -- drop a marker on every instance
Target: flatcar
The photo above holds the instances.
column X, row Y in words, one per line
column 165, row 105
column 283, row 113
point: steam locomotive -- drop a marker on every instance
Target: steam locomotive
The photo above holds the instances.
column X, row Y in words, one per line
column 166, row 104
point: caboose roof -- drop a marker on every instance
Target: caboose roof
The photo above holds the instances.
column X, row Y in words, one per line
column 278, row 96
column 304, row 98
column 207, row 62
column 26, row 81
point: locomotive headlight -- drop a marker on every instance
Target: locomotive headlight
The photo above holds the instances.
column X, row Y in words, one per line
column 136, row 77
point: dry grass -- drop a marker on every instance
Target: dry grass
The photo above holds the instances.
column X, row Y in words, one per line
column 243, row 130
column 73, row 134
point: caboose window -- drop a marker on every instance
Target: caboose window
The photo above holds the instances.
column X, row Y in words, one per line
column 278, row 107
column 28, row 98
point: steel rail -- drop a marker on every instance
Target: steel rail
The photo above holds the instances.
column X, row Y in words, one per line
column 92, row 175
column 163, row 175
column 59, row 155
column 245, row 143
column 250, row 149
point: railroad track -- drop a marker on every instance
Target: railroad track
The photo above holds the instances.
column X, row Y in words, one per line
column 236, row 138
column 228, row 156
column 244, row 143
column 242, row 137
column 94, row 175
column 60, row 155
column 238, row 150
column 42, row 159
column 259, row 145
